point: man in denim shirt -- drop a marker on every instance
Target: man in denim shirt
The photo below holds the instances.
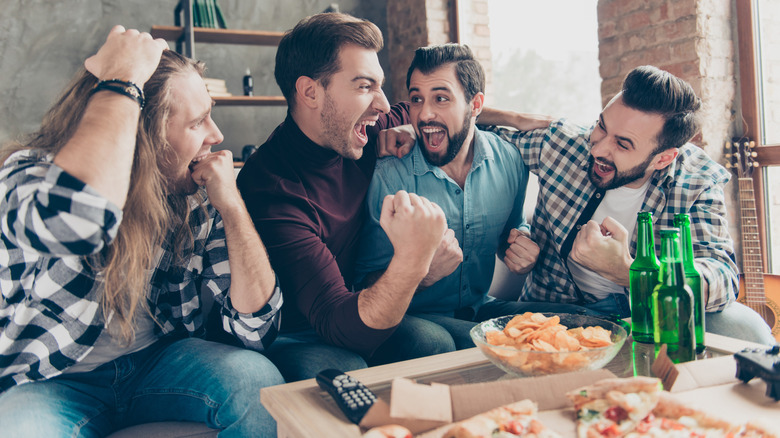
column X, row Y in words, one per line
column 475, row 177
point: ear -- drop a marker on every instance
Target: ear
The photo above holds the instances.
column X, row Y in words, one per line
column 665, row 158
column 306, row 92
column 477, row 103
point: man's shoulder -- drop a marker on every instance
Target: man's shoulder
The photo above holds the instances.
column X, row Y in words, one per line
column 696, row 164
column 396, row 167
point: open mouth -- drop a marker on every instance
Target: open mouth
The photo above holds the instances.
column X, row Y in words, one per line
column 434, row 136
column 360, row 130
column 602, row 169
column 197, row 159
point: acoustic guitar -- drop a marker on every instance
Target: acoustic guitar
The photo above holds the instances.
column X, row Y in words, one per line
column 754, row 284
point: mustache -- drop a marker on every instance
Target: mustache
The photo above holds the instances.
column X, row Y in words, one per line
column 601, row 161
column 431, row 125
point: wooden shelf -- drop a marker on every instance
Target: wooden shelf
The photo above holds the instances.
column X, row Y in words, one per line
column 250, row 101
column 222, row 36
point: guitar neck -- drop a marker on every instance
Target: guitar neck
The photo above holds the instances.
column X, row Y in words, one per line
column 753, row 265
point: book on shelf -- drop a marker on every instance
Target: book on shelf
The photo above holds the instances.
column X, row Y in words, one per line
column 216, row 87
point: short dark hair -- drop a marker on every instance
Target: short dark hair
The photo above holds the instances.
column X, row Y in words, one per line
column 312, row 48
column 468, row 70
column 652, row 90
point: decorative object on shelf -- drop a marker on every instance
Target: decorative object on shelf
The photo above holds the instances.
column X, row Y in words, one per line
column 248, row 84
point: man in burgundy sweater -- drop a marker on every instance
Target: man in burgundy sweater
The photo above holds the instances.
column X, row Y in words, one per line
column 304, row 189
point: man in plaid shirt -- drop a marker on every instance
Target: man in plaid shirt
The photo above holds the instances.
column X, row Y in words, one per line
column 134, row 286
column 593, row 182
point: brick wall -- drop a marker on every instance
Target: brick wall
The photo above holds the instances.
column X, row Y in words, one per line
column 415, row 23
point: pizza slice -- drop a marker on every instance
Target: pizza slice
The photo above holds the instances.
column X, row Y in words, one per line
column 513, row 420
column 613, row 407
column 671, row 418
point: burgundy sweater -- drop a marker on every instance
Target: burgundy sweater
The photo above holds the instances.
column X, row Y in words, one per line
column 307, row 204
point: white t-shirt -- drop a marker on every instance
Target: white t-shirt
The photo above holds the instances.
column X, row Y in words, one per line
column 621, row 204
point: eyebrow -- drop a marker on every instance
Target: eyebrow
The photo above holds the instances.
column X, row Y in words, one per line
column 447, row 89
column 619, row 137
column 203, row 114
column 369, row 79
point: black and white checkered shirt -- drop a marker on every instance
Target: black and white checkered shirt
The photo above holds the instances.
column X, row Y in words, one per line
column 50, row 314
column 692, row 184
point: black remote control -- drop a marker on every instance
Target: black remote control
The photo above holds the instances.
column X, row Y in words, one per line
column 353, row 397
column 763, row 363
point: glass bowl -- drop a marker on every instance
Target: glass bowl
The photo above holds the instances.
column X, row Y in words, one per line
column 524, row 363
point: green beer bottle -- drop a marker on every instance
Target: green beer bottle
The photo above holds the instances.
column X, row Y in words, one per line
column 643, row 277
column 692, row 277
column 673, row 303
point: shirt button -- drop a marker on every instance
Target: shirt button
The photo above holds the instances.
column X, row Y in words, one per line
column 466, row 258
column 579, row 227
column 598, row 195
column 457, row 191
column 468, row 226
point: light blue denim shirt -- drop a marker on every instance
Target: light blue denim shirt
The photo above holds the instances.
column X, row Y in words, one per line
column 481, row 216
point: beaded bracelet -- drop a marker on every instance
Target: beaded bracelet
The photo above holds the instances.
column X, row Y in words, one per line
column 125, row 88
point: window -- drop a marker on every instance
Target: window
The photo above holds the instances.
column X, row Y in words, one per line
column 545, row 57
column 759, row 59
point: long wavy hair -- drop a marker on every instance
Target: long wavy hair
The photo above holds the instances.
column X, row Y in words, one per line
column 151, row 214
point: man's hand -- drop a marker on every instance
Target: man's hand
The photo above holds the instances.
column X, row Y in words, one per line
column 215, row 172
column 414, row 225
column 128, row 55
column 446, row 259
column 397, row 141
column 522, row 253
column 604, row 250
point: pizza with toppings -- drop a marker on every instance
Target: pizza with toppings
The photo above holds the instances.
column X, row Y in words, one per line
column 513, row 420
column 638, row 408
column 614, row 407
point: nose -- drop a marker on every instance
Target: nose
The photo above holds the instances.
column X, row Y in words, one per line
column 598, row 144
column 215, row 136
column 380, row 102
column 426, row 112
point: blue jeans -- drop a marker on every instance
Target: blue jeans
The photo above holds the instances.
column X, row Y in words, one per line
column 186, row 380
column 301, row 355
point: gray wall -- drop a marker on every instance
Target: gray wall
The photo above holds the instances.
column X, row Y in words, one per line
column 44, row 42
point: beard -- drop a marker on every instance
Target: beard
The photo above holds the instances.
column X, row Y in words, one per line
column 454, row 142
column 334, row 125
column 621, row 178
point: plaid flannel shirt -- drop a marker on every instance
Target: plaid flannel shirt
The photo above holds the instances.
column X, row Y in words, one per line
column 50, row 315
column 692, row 184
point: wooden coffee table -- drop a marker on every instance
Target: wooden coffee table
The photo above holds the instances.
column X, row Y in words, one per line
column 302, row 409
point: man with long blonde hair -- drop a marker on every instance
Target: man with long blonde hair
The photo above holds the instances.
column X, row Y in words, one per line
column 130, row 271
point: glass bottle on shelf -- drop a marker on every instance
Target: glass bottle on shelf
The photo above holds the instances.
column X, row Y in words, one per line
column 643, row 278
column 692, row 277
column 673, row 303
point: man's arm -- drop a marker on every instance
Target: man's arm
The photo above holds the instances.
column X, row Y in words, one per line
column 514, row 119
column 252, row 281
column 414, row 225
column 100, row 152
column 376, row 250
column 713, row 248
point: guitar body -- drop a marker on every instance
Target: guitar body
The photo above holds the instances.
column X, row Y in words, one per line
column 769, row 306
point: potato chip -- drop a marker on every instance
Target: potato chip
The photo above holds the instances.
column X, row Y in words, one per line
column 531, row 333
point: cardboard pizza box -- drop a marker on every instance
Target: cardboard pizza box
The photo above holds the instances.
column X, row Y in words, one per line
column 710, row 385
